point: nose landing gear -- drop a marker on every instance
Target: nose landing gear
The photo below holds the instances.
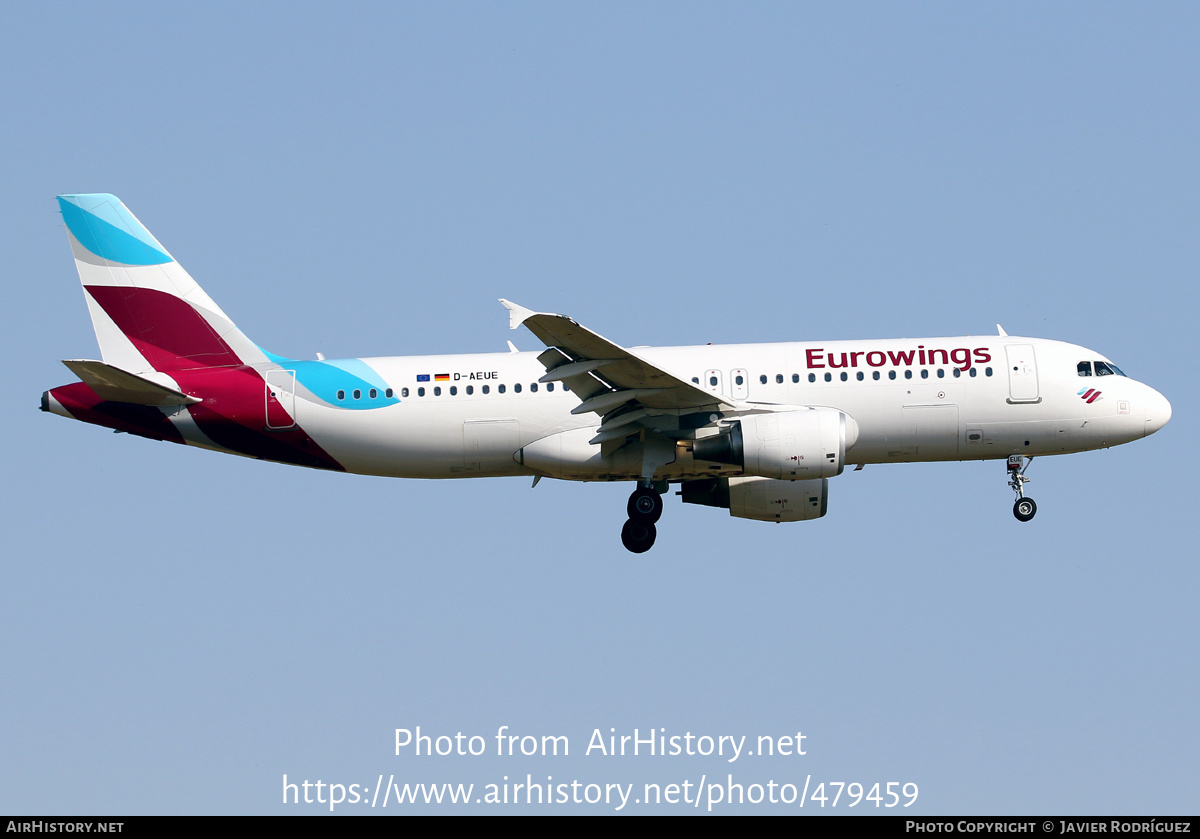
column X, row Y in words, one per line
column 645, row 508
column 1023, row 508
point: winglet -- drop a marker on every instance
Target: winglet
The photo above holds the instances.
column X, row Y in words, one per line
column 1000, row 331
column 516, row 314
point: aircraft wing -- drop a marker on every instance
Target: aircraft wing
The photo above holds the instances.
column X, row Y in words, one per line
column 611, row 381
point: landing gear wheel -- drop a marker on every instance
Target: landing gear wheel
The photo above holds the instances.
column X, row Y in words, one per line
column 1024, row 509
column 638, row 536
column 645, row 505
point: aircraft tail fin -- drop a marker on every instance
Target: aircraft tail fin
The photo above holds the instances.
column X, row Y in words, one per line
column 148, row 313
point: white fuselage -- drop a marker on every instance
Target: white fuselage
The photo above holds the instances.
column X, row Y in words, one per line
column 973, row 398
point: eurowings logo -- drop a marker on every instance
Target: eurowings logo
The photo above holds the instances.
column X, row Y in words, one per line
column 1089, row 395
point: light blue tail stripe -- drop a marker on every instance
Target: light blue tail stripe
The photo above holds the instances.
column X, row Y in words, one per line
column 102, row 225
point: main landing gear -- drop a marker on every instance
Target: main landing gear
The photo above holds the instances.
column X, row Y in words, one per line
column 1023, row 508
column 645, row 508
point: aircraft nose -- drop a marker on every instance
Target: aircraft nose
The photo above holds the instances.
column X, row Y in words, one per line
column 1158, row 412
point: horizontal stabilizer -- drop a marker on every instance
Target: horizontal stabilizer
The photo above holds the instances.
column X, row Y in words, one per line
column 113, row 384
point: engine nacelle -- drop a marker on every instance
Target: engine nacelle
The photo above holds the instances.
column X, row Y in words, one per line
column 793, row 445
column 762, row 499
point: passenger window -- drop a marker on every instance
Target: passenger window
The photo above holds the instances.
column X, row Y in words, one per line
column 454, row 390
column 795, row 378
column 486, row 390
column 437, row 391
column 516, row 388
column 908, row 374
column 470, row 389
column 500, row 388
column 941, row 373
column 971, row 372
column 388, row 393
column 712, row 381
column 812, row 377
column 533, row 388
column 404, row 392
column 875, row 375
column 565, row 388
column 550, row 387
column 778, row 378
column 924, row 374
column 844, row 376
column 695, row 380
column 341, row 395
column 987, row 371
column 358, row 394
column 373, row 393
column 829, row 377
column 1085, row 368
column 891, row 374
column 957, row 373
column 859, row 375
column 762, row 380
column 420, row 391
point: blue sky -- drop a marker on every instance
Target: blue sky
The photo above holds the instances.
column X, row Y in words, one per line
column 182, row 629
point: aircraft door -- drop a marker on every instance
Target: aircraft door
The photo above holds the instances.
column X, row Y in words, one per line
column 712, row 381
column 281, row 399
column 740, row 380
column 489, row 444
column 1022, row 373
column 931, row 431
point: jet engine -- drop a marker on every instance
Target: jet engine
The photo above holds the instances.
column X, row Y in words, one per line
column 762, row 499
column 793, row 445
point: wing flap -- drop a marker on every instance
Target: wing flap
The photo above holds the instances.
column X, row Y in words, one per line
column 575, row 368
column 577, row 378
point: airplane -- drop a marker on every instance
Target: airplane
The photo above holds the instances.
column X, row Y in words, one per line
column 758, row 429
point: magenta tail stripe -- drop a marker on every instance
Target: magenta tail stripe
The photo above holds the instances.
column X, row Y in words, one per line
column 164, row 328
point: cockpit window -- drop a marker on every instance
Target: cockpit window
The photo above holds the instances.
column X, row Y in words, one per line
column 1103, row 368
